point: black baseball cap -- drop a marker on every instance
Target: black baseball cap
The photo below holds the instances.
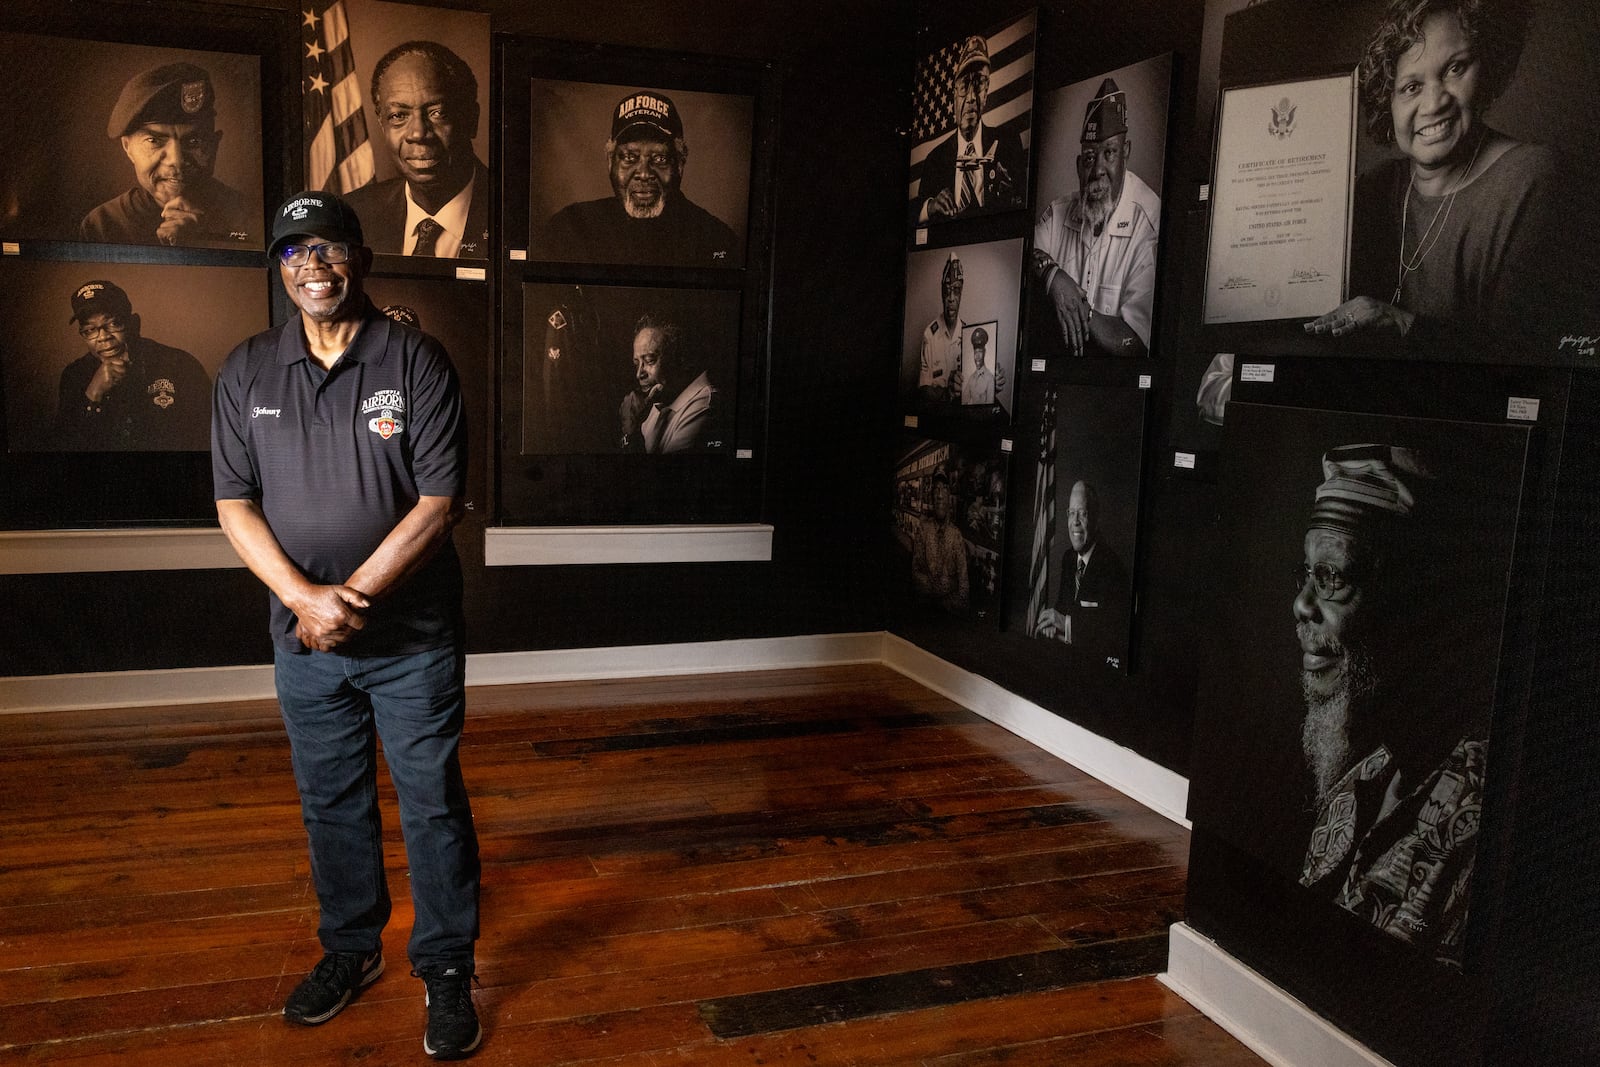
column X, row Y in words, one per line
column 99, row 298
column 315, row 213
column 646, row 112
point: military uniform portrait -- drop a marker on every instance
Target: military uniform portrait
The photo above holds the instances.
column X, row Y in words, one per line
column 1096, row 234
column 628, row 370
column 653, row 176
column 1345, row 720
column 110, row 357
column 131, row 144
column 972, row 123
column 956, row 297
column 411, row 159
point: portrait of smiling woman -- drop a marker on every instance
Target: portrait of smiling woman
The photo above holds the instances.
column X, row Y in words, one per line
column 1458, row 238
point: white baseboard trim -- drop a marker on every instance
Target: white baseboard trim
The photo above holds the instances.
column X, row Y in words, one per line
column 1123, row 769
column 121, row 689
column 1268, row 1021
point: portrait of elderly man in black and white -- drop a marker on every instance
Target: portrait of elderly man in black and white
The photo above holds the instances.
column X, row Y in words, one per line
column 1359, row 693
column 139, row 146
column 960, row 330
column 639, row 175
column 973, row 102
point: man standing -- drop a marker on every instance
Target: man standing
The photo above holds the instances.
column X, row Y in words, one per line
column 426, row 100
column 339, row 460
column 1094, row 251
column 939, row 362
column 647, row 219
column 978, row 167
column 1399, row 795
column 1091, row 609
column 165, row 119
column 978, row 387
column 939, row 552
column 128, row 393
column 658, row 416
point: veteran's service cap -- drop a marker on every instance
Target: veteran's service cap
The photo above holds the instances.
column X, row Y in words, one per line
column 99, row 298
column 315, row 213
column 168, row 95
column 645, row 113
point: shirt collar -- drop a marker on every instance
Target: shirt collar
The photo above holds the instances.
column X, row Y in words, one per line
column 976, row 142
column 368, row 346
column 453, row 216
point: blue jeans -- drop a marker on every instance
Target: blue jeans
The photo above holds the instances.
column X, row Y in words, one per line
column 335, row 709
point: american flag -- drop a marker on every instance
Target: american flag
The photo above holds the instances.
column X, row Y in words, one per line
column 338, row 154
column 1010, row 105
column 1044, row 515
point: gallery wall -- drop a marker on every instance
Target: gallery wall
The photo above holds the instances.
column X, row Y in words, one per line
column 827, row 400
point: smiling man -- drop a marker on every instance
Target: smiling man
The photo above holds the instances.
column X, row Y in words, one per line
column 1399, row 799
column 426, row 100
column 647, row 218
column 339, row 460
column 128, row 393
column 1094, row 251
column 165, row 121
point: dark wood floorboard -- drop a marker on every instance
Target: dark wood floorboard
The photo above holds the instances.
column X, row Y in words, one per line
column 828, row 866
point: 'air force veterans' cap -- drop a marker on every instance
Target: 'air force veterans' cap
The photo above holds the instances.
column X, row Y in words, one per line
column 974, row 53
column 648, row 113
column 1107, row 114
column 314, row 213
column 99, row 298
column 175, row 93
column 1366, row 482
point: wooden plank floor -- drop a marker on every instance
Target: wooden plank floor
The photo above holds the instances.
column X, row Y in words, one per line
column 829, row 866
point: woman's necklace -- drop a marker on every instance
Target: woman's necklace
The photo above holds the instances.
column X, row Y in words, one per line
column 1429, row 236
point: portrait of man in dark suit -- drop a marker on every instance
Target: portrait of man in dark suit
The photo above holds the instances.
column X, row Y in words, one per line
column 978, row 167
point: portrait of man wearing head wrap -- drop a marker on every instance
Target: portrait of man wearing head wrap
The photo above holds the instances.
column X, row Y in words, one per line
column 1398, row 804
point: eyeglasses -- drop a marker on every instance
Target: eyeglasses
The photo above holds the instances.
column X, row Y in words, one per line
column 299, row 255
column 1328, row 581
column 110, row 326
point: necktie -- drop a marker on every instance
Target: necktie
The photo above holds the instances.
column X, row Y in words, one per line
column 969, row 179
column 1077, row 583
column 427, row 232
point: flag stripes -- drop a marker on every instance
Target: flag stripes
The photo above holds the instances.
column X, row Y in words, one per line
column 338, row 151
column 1044, row 516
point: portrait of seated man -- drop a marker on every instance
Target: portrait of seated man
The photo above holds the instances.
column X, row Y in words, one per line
column 165, row 121
column 426, row 100
column 1092, row 604
column 674, row 402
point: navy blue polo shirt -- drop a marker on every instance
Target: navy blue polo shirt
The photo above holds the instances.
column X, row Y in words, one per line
column 337, row 458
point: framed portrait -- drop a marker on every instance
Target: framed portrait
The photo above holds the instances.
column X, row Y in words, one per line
column 641, row 175
column 972, row 122
column 949, row 527
column 1469, row 242
column 1073, row 539
column 1102, row 162
column 954, row 297
column 1343, row 728
column 455, row 313
column 396, row 120
column 107, row 414
column 142, row 142
column 628, row 369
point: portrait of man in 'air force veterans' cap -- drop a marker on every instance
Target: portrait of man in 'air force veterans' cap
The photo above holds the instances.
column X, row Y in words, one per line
column 639, row 175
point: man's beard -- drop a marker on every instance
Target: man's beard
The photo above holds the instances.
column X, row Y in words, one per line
column 636, row 211
column 1096, row 211
column 1325, row 735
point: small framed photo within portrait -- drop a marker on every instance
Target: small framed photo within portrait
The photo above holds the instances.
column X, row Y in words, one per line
column 139, row 144
column 973, row 117
column 638, row 174
column 397, row 122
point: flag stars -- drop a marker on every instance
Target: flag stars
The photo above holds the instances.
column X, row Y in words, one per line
column 311, row 19
column 314, row 51
column 317, row 84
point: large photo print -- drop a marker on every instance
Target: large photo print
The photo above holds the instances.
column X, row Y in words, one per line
column 139, row 145
column 1343, row 729
column 959, row 349
column 949, row 525
column 396, row 120
column 638, row 175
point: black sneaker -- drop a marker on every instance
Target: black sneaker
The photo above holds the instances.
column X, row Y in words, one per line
column 453, row 1030
column 331, row 985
